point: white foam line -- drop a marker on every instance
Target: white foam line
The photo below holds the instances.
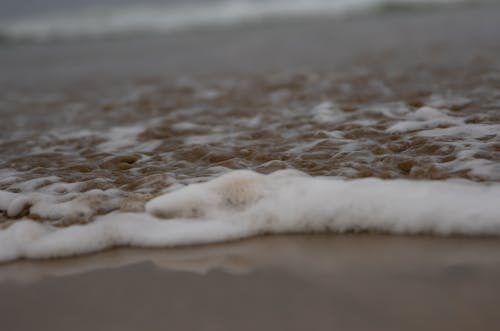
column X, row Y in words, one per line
column 29, row 239
column 243, row 203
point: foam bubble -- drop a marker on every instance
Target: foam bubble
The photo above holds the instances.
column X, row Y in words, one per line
column 71, row 207
column 424, row 118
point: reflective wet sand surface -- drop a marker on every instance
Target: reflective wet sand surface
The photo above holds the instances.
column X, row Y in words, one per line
column 318, row 282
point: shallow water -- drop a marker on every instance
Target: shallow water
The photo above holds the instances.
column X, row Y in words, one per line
column 421, row 103
column 162, row 134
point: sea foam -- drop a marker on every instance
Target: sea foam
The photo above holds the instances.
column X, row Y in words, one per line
column 243, row 203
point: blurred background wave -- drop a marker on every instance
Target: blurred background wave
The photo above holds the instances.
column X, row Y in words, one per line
column 32, row 20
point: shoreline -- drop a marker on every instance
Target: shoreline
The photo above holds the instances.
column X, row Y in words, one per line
column 204, row 258
column 290, row 282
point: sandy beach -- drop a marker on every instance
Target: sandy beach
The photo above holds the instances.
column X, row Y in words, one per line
column 352, row 281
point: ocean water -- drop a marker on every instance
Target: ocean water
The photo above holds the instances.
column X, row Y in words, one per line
column 282, row 117
column 84, row 19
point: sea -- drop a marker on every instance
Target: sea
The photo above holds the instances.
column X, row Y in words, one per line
column 173, row 123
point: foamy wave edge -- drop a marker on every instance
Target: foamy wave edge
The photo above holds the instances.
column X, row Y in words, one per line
column 243, row 203
column 126, row 19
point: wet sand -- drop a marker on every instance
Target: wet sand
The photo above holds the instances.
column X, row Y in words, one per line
column 314, row 282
